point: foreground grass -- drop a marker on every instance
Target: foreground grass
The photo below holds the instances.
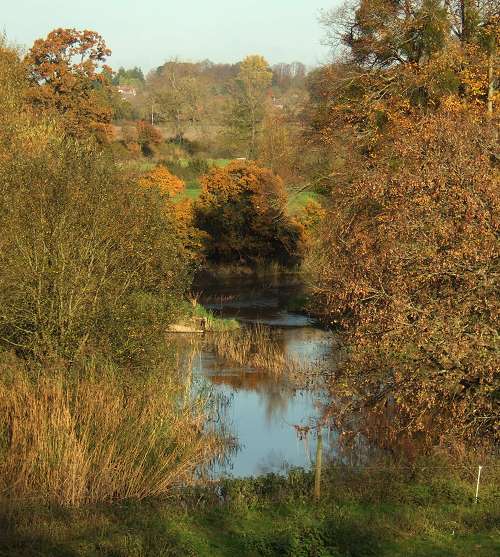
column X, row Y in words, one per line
column 271, row 516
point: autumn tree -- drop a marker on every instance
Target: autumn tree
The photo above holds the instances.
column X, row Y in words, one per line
column 402, row 58
column 148, row 137
column 279, row 144
column 286, row 76
column 381, row 33
column 66, row 75
column 407, row 264
column 163, row 180
column 178, row 96
column 250, row 90
column 242, row 208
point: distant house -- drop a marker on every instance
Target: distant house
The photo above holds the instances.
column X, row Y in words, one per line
column 126, row 91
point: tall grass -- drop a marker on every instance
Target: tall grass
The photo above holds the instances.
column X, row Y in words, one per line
column 93, row 435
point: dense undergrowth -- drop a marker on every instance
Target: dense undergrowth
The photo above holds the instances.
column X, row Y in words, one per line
column 93, row 432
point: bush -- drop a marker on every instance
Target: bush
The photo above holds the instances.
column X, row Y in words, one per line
column 87, row 260
column 160, row 178
column 242, row 208
column 189, row 170
column 407, row 261
column 148, row 137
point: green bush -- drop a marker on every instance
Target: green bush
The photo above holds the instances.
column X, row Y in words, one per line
column 87, row 260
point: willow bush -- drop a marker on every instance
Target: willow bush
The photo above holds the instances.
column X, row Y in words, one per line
column 87, row 260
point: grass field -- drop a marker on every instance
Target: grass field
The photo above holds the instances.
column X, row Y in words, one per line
column 296, row 201
column 272, row 516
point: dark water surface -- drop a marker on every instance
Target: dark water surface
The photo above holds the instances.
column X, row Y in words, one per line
column 264, row 412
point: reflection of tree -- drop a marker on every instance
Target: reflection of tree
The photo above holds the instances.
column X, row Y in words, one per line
column 275, row 395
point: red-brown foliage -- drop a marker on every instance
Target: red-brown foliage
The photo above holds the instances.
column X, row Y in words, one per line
column 68, row 77
column 408, row 264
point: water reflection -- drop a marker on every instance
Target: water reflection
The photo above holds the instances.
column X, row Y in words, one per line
column 265, row 411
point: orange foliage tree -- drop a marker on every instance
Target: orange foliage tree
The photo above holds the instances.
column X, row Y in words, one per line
column 160, row 177
column 242, row 208
column 180, row 211
column 68, row 76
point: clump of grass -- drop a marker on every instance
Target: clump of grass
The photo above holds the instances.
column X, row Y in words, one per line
column 94, row 435
column 216, row 324
column 258, row 348
column 204, row 319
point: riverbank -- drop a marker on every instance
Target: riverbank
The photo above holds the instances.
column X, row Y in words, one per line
column 377, row 512
column 197, row 319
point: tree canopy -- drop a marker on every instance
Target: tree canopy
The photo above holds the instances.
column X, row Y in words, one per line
column 68, row 76
column 242, row 208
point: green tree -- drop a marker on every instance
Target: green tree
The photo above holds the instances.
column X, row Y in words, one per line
column 250, row 90
column 133, row 77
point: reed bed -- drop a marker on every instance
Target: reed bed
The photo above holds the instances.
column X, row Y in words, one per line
column 257, row 347
column 96, row 436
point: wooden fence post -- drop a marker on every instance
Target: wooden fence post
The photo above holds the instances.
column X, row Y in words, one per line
column 317, row 471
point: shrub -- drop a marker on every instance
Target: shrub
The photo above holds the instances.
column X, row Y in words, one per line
column 163, row 180
column 242, row 208
column 148, row 137
column 82, row 251
column 407, row 261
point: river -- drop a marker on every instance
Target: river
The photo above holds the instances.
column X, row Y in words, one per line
column 263, row 412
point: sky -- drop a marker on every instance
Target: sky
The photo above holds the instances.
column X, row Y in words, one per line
column 146, row 33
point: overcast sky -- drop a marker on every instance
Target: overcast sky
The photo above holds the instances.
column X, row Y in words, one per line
column 148, row 32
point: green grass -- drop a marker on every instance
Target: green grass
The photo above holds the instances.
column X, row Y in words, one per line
column 297, row 201
column 211, row 162
column 269, row 516
column 140, row 165
column 215, row 324
column 191, row 191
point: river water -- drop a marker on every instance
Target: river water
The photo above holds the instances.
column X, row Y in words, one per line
column 263, row 412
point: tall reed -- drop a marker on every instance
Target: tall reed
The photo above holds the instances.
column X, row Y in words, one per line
column 256, row 347
column 98, row 436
